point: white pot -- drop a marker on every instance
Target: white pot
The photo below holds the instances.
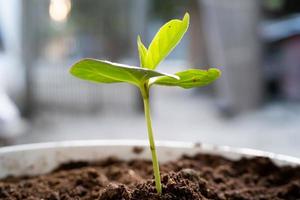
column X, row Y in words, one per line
column 33, row 159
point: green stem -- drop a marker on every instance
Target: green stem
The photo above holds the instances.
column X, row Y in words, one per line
column 152, row 143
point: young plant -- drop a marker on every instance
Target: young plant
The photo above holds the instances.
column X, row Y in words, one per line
column 145, row 76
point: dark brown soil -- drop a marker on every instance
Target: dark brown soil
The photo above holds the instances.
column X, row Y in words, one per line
column 198, row 177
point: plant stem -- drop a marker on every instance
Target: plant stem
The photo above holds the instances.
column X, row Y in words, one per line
column 152, row 144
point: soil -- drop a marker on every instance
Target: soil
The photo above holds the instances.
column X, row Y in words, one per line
column 198, row 177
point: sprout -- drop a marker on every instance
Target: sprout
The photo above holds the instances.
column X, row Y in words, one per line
column 145, row 76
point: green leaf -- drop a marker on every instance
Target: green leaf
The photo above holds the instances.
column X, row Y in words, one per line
column 101, row 71
column 166, row 40
column 142, row 52
column 189, row 78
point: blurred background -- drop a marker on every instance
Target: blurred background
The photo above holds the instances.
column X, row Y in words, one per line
column 256, row 102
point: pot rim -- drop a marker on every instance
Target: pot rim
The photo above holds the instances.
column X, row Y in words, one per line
column 203, row 147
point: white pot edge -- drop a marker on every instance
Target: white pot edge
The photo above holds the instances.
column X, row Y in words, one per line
column 31, row 159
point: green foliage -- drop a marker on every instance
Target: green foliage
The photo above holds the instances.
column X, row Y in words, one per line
column 144, row 77
column 142, row 52
column 163, row 42
column 189, row 78
column 100, row 71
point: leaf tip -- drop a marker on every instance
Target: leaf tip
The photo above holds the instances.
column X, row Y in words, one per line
column 138, row 39
column 216, row 72
column 77, row 65
column 186, row 18
column 73, row 68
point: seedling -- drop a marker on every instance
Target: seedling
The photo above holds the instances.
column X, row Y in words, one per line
column 145, row 76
